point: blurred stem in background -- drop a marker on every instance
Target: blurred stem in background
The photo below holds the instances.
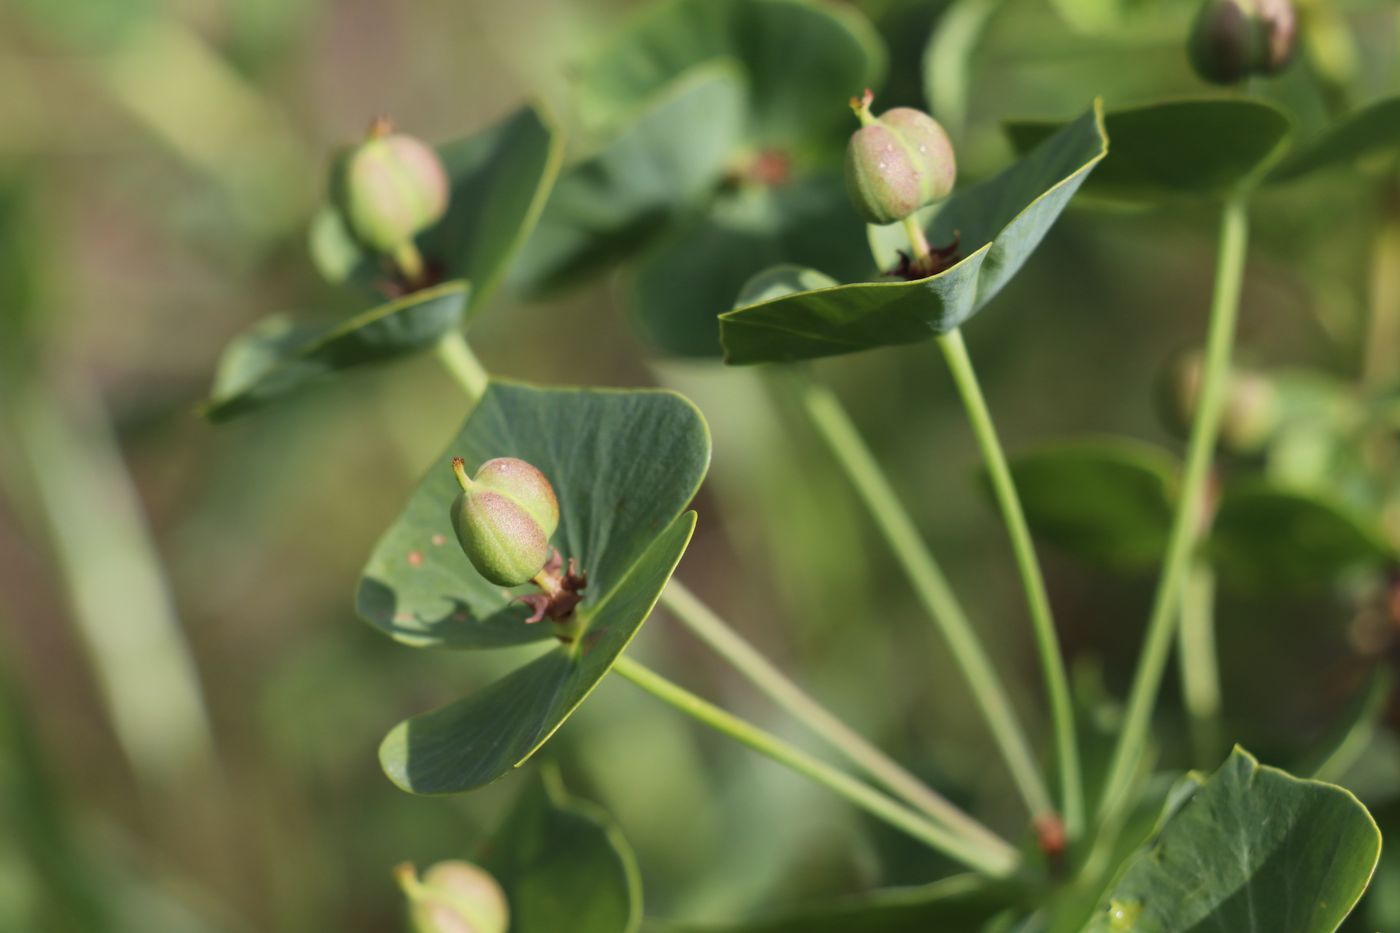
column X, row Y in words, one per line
column 1052, row 662
column 1196, row 659
column 473, row 378
column 1187, row 524
column 115, row 584
column 995, row 861
column 931, row 586
column 1380, row 363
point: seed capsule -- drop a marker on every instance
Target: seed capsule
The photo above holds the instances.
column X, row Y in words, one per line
column 1233, row 39
column 389, row 188
column 504, row 518
column 454, row 897
column 1251, row 413
column 897, row 163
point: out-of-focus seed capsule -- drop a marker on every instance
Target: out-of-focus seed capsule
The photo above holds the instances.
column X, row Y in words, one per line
column 389, row 188
column 454, row 897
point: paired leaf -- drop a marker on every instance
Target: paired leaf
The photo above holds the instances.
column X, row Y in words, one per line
column 802, row 61
column 563, row 864
column 1205, row 148
column 1109, row 500
column 623, row 465
column 1370, row 130
column 279, row 356
column 500, row 179
column 1266, row 537
column 1000, row 222
column 1254, row 849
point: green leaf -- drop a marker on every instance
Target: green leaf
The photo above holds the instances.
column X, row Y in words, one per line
column 21, row 259
column 801, row 60
column 807, row 221
column 669, row 158
column 1000, row 222
column 563, row 864
column 623, row 465
column 961, row 904
column 1254, row 849
column 278, row 356
column 1372, row 129
column 501, row 178
column 1108, row 500
column 1266, row 538
column 1204, row 148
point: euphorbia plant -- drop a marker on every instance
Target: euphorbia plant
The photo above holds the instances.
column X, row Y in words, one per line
column 569, row 507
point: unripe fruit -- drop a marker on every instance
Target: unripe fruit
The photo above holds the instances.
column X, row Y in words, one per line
column 1233, row 39
column 454, row 897
column 1251, row 403
column 390, row 188
column 897, row 163
column 504, row 518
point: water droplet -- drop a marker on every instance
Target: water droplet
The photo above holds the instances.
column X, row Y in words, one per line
column 1123, row 915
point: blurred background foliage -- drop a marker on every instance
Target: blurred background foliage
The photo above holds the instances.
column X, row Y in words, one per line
column 189, row 711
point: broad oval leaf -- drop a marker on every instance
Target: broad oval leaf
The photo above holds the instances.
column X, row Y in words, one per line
column 278, row 356
column 1372, row 129
column 1205, row 148
column 802, row 61
column 1255, row 850
column 501, row 178
column 623, row 464
column 1106, row 500
column 666, row 161
column 961, row 904
column 1000, row 223
column 1267, row 537
column 563, row 864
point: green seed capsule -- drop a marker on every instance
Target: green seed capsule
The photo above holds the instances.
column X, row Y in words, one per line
column 454, row 897
column 1251, row 413
column 897, row 163
column 504, row 518
column 389, row 188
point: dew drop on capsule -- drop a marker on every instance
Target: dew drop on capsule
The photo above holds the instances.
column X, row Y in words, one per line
column 1123, row 915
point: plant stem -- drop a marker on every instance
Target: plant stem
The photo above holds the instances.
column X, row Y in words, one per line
column 1186, row 527
column 931, row 587
column 1047, row 642
column 461, row 362
column 1200, row 674
column 761, row 672
column 988, row 861
column 410, row 263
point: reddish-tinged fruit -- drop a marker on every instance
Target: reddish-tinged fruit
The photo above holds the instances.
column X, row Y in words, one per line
column 897, row 163
column 390, row 188
column 504, row 518
column 454, row 897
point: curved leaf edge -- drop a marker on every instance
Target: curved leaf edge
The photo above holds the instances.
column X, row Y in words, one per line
column 977, row 254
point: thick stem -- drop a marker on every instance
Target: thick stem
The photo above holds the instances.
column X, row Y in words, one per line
column 1186, row 525
column 726, row 642
column 832, row 423
column 1200, row 674
column 1038, row 602
column 457, row 356
column 989, row 861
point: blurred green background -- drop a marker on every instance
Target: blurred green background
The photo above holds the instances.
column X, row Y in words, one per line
column 189, row 711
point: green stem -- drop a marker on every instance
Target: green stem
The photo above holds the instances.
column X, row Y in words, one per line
column 1200, row 674
column 832, row 423
column 410, row 263
column 1186, row 525
column 1047, row 642
column 461, row 362
column 862, row 795
column 743, row 657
